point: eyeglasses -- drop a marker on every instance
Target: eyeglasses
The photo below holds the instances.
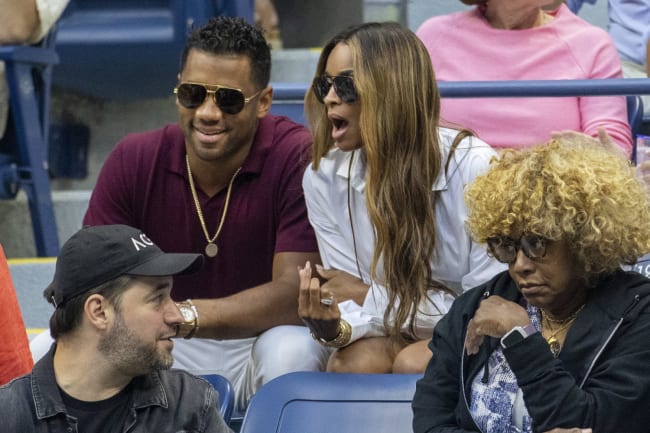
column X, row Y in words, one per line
column 505, row 249
column 228, row 99
column 343, row 86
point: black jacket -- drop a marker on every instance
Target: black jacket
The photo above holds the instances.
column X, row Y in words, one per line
column 601, row 379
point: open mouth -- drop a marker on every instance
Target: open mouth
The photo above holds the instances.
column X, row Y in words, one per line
column 339, row 123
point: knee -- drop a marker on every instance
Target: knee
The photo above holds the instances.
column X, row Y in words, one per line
column 411, row 362
column 351, row 360
column 339, row 363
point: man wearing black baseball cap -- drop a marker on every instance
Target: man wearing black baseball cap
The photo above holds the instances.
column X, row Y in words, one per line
column 108, row 369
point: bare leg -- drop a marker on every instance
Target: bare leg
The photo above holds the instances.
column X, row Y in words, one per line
column 413, row 358
column 369, row 355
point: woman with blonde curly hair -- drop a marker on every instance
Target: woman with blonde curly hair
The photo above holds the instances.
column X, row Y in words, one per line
column 384, row 195
column 562, row 339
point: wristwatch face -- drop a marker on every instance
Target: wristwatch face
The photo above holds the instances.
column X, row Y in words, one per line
column 513, row 337
column 188, row 314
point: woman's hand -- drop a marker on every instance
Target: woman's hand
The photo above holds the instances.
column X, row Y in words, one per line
column 494, row 318
column 317, row 306
column 343, row 285
column 603, row 140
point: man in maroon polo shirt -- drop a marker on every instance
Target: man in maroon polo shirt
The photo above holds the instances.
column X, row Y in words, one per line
column 225, row 182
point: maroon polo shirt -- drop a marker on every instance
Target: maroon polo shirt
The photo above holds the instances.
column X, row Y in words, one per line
column 144, row 184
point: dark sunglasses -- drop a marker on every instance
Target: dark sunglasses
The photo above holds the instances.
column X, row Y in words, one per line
column 228, row 99
column 505, row 249
column 343, row 86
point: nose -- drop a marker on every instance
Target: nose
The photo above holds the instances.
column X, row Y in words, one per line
column 522, row 263
column 173, row 315
column 209, row 107
column 331, row 97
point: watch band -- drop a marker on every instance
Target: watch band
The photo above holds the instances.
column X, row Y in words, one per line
column 517, row 334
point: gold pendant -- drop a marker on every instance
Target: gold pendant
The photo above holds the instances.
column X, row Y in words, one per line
column 211, row 250
column 554, row 345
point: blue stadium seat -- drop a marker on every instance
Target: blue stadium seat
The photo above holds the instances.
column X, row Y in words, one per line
column 310, row 402
column 288, row 100
column 130, row 49
column 24, row 163
column 226, row 394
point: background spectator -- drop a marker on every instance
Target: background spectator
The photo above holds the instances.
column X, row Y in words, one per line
column 15, row 356
column 629, row 27
column 521, row 41
column 24, row 22
column 267, row 18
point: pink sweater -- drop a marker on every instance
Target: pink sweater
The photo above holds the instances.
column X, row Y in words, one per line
column 463, row 47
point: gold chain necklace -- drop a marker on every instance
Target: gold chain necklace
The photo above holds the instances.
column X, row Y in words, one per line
column 211, row 249
column 553, row 342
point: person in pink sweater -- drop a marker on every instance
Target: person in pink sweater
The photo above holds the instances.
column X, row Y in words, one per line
column 518, row 40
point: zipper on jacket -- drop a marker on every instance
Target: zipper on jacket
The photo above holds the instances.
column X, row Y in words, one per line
column 486, row 294
column 462, row 384
column 635, row 301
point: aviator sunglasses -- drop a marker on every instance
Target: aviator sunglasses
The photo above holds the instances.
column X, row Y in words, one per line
column 505, row 249
column 228, row 99
column 343, row 86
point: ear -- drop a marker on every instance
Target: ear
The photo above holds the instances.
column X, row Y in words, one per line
column 98, row 311
column 264, row 104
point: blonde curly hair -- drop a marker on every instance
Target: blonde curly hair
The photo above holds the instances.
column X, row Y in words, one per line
column 569, row 190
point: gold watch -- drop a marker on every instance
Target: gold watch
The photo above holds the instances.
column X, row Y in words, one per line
column 190, row 323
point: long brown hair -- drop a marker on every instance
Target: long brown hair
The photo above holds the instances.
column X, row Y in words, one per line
column 393, row 75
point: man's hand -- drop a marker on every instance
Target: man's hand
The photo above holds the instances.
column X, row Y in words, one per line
column 317, row 306
column 343, row 285
column 494, row 318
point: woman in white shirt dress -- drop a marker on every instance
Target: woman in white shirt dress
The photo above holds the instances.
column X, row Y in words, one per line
column 385, row 197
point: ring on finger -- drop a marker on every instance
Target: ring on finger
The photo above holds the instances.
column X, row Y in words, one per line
column 327, row 301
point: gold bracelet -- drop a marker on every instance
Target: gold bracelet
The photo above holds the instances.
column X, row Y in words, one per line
column 342, row 338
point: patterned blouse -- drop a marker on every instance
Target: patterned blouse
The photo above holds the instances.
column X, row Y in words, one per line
column 497, row 405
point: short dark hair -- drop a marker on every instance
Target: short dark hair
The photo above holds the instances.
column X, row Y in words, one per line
column 68, row 316
column 232, row 35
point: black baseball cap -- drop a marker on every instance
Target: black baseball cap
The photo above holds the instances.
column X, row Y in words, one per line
column 95, row 255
